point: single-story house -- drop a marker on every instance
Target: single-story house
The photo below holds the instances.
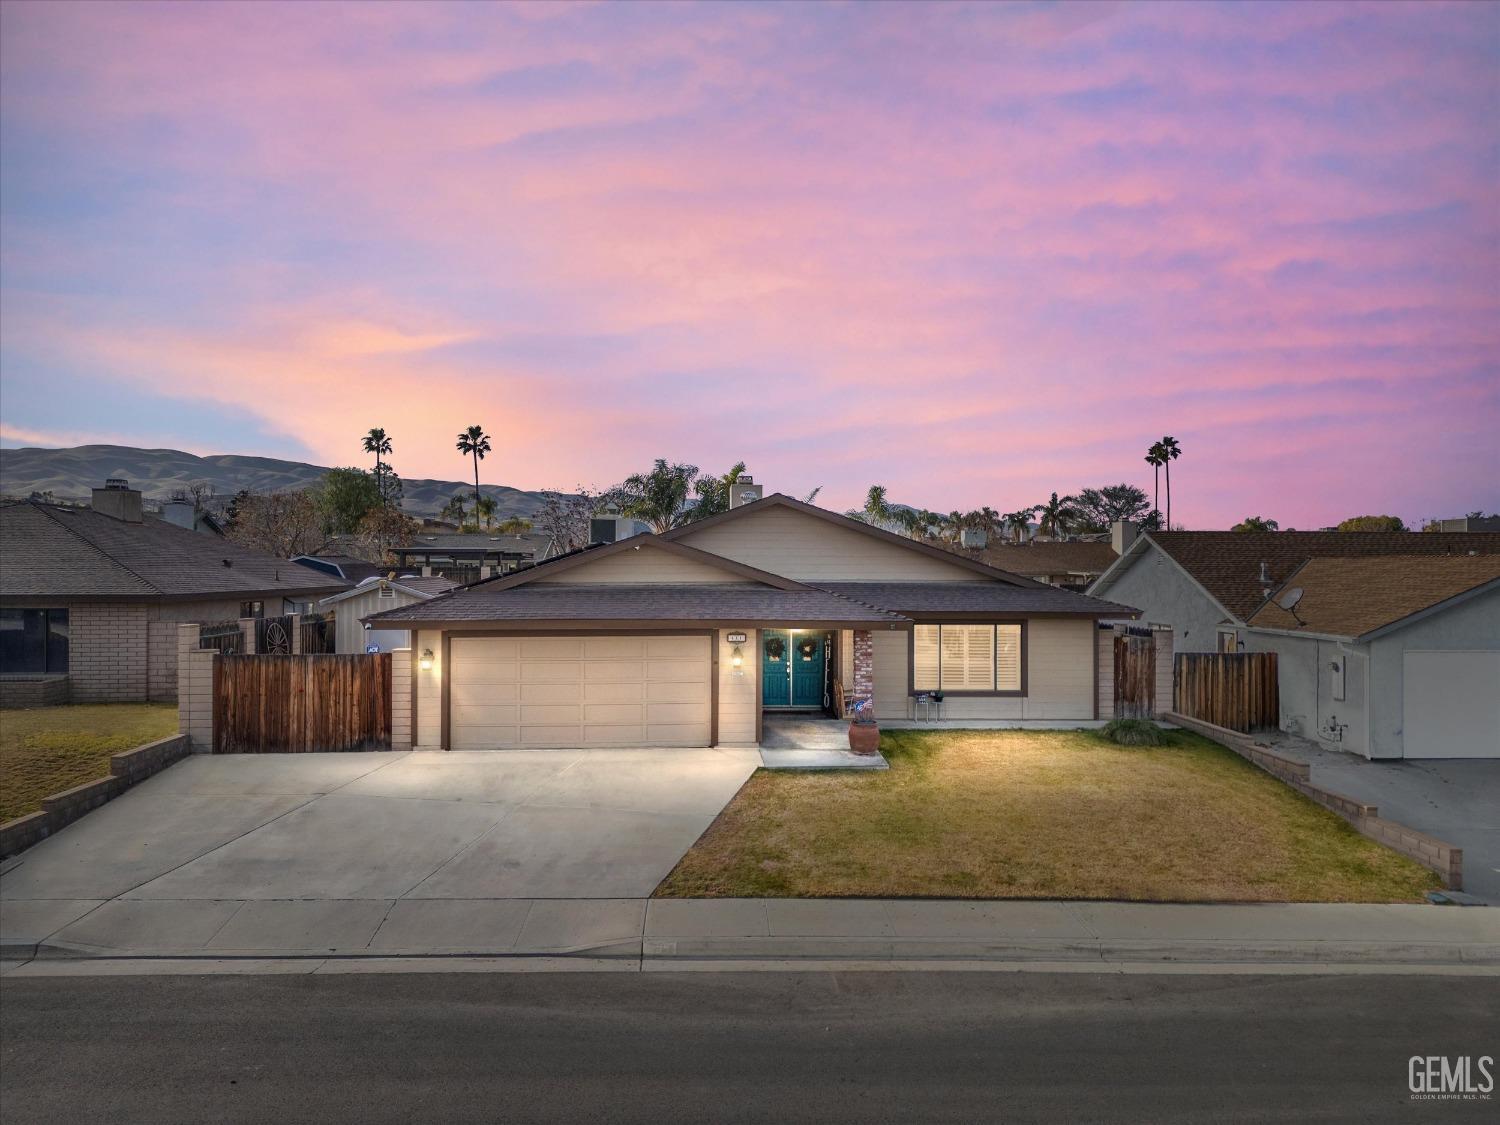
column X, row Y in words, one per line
column 1069, row 563
column 90, row 598
column 470, row 556
column 689, row 638
column 371, row 596
column 1205, row 585
column 1388, row 656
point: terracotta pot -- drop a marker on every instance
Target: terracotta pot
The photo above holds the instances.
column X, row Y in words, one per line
column 864, row 738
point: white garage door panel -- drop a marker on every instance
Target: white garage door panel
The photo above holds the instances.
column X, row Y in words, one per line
column 558, row 692
column 1451, row 704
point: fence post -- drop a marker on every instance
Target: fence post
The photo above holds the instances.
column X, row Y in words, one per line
column 401, row 732
column 195, row 690
column 247, row 627
column 1164, row 700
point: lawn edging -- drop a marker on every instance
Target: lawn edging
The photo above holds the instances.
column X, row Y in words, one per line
column 126, row 768
column 1432, row 853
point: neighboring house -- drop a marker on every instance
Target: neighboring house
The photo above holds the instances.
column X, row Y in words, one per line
column 470, row 556
column 1388, row 656
column 184, row 513
column 1206, row 585
column 373, row 595
column 1070, row 564
column 1469, row 523
column 90, row 598
column 347, row 567
column 687, row 638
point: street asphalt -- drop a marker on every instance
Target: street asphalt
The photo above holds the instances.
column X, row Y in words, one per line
column 710, row 1047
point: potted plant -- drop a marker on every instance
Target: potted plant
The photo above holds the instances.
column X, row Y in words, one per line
column 864, row 732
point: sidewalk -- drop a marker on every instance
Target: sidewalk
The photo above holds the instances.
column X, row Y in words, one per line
column 664, row 932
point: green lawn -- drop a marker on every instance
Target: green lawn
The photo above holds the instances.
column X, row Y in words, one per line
column 1049, row 814
column 48, row 749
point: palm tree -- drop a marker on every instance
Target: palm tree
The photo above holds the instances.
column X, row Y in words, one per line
column 714, row 492
column 454, row 509
column 1156, row 458
column 474, row 442
column 660, row 496
column 1020, row 523
column 484, row 509
column 377, row 443
column 1170, row 451
column 1056, row 515
column 876, row 507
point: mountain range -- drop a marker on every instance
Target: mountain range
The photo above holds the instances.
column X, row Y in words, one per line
column 71, row 474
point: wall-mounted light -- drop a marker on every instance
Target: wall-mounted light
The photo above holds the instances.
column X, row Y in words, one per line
column 737, row 661
column 426, row 662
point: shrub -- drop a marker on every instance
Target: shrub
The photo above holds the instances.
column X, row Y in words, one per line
column 1134, row 732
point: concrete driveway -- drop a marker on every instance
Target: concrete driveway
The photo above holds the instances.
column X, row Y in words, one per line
column 321, row 851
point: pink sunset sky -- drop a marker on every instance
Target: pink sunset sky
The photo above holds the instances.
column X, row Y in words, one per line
column 974, row 253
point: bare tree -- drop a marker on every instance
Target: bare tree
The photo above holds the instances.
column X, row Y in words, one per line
column 565, row 515
column 280, row 523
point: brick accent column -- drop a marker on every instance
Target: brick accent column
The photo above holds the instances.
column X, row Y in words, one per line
column 401, row 733
column 195, row 690
column 864, row 666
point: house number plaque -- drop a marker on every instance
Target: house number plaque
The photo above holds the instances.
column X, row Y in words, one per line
column 736, row 638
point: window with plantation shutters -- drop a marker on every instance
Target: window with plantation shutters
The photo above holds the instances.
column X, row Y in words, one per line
column 924, row 660
column 1007, row 658
column 967, row 658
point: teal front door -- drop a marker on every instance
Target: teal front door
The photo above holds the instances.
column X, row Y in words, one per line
column 792, row 668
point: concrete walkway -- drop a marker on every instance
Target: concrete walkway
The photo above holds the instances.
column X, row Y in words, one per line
column 759, row 930
column 810, row 742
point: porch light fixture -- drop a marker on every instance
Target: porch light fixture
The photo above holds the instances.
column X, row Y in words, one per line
column 426, row 662
column 737, row 661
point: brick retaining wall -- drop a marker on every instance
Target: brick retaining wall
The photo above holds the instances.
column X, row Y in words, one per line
column 1432, row 853
column 34, row 691
column 61, row 809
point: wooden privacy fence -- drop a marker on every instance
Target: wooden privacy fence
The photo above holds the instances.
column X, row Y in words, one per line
column 1237, row 690
column 1135, row 676
column 299, row 704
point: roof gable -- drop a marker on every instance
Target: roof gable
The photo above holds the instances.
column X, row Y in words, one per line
column 1226, row 565
column 809, row 543
column 1352, row 597
column 640, row 560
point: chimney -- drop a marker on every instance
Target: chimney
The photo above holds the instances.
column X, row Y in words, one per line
column 744, row 491
column 180, row 513
column 118, row 500
column 1122, row 534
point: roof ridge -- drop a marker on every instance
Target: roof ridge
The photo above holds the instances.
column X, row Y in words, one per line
column 98, row 550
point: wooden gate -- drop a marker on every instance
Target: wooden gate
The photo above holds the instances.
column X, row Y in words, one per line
column 1237, row 690
column 1135, row 676
column 273, row 635
column 298, row 704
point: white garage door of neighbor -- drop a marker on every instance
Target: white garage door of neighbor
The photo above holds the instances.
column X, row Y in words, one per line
column 539, row 693
column 1451, row 704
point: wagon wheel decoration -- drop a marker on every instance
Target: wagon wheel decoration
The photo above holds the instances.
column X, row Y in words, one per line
column 278, row 641
column 808, row 648
column 775, row 649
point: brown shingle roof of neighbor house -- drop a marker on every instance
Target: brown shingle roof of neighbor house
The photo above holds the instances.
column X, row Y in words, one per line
column 1034, row 559
column 1227, row 563
column 1350, row 597
column 48, row 551
column 638, row 606
column 987, row 598
column 533, row 543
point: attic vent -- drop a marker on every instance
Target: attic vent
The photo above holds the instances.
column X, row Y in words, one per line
column 387, row 592
column 117, row 484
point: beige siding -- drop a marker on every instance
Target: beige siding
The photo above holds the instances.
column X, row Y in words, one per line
column 846, row 657
column 401, row 699
column 800, row 546
column 647, row 566
column 889, row 655
column 739, row 696
column 1105, row 646
column 429, row 690
column 1060, row 677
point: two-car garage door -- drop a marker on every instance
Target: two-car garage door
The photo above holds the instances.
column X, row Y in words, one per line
column 536, row 693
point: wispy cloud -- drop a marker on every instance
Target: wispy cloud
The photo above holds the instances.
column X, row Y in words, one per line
column 976, row 252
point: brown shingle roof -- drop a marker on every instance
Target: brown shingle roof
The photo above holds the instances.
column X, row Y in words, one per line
column 54, row 552
column 1227, row 563
column 730, row 602
column 918, row 598
column 1035, row 559
column 1349, row 597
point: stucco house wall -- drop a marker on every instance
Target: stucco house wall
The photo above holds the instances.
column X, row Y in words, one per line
column 1157, row 586
column 1305, row 685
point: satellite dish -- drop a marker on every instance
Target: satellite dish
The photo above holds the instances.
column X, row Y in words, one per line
column 1288, row 601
